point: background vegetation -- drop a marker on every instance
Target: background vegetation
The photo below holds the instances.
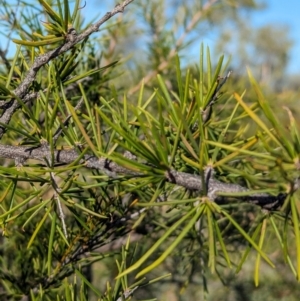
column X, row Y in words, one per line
column 130, row 170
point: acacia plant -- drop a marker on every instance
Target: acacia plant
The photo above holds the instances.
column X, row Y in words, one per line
column 98, row 169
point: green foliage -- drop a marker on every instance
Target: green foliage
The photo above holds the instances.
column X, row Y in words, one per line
column 118, row 217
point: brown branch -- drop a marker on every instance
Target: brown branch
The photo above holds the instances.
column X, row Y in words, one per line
column 189, row 181
column 71, row 40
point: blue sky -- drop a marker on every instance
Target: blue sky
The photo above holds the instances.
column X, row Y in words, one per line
column 276, row 12
column 287, row 13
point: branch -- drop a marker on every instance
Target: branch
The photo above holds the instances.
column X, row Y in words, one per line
column 213, row 187
column 127, row 294
column 207, row 111
column 43, row 59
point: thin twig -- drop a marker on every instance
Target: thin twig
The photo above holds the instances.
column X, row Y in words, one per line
column 128, row 293
column 66, row 121
column 207, row 111
column 61, row 214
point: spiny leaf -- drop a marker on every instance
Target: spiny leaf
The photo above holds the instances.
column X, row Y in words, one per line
column 38, row 43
